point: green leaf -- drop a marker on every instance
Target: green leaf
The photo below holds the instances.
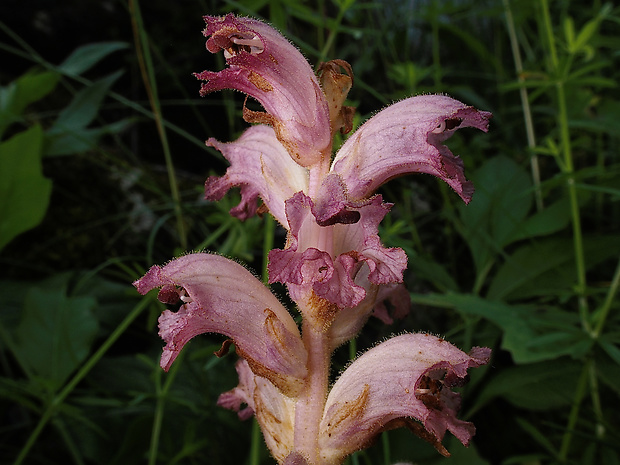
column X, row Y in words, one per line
column 55, row 334
column 433, row 272
column 85, row 57
column 540, row 386
column 611, row 348
column 547, row 267
column 552, row 218
column 608, row 370
column 538, row 436
column 24, row 192
column 81, row 140
column 84, row 107
column 496, row 213
column 530, row 333
column 29, row 88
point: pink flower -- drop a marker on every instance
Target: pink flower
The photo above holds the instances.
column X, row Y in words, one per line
column 221, row 296
column 406, row 378
column 266, row 66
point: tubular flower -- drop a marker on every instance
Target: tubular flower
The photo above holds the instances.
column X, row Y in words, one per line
column 264, row 65
column 336, row 269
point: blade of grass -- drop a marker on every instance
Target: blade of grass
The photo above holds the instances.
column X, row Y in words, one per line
column 525, row 103
column 148, row 76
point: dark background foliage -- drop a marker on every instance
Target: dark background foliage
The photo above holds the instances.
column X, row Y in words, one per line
column 102, row 162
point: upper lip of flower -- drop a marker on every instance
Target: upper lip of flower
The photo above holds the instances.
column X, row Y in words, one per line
column 266, row 66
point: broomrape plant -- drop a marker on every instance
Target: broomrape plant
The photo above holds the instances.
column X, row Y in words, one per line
column 334, row 265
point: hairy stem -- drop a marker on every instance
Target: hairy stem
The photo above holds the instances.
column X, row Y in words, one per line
column 311, row 403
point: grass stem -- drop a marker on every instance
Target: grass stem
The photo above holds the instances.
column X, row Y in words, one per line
column 57, row 401
column 145, row 63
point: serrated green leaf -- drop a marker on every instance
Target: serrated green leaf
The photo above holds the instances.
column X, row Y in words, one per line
column 55, row 334
column 24, row 192
column 85, row 57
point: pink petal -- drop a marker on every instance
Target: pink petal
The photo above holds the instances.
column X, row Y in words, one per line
column 262, row 166
column 274, row 411
column 407, row 138
column 223, row 297
column 264, row 65
column 398, row 297
column 242, row 394
column 408, row 376
column 333, row 276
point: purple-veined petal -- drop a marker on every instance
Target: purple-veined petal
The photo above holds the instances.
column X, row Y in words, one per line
column 263, row 168
column 406, row 377
column 274, row 411
column 223, row 297
column 266, row 66
column 407, row 138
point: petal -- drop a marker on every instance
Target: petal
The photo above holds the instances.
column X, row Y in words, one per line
column 261, row 165
column 295, row 458
column 398, row 296
column 274, row 411
column 356, row 226
column 407, row 138
column 308, row 270
column 264, row 65
column 223, row 297
column 242, row 394
column 408, row 376
column 305, row 268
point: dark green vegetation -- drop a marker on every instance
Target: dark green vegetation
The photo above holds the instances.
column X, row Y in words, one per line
column 101, row 167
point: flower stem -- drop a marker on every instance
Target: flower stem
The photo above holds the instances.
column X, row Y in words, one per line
column 311, row 403
column 582, row 386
